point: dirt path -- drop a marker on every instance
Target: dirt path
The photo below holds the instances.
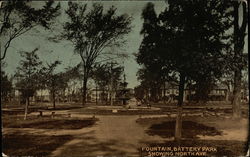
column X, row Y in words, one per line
column 118, row 135
column 113, row 135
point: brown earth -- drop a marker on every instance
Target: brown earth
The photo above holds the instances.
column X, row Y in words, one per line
column 118, row 135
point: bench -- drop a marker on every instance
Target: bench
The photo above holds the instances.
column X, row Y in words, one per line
column 40, row 113
column 53, row 114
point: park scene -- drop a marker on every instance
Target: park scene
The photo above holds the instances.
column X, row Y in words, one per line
column 124, row 78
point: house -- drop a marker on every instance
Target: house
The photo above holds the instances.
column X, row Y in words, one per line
column 219, row 93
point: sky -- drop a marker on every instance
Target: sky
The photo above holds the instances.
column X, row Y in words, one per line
column 49, row 51
column 63, row 51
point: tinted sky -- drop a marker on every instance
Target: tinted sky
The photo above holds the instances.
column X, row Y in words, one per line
column 49, row 51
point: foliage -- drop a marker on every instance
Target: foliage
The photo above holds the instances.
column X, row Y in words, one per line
column 185, row 40
column 28, row 74
column 54, row 81
column 139, row 92
column 198, row 37
column 6, row 86
column 12, row 27
column 103, row 74
column 189, row 39
column 91, row 32
column 153, row 72
column 58, row 82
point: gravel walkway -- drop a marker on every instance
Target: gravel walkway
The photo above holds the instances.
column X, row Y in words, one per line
column 112, row 135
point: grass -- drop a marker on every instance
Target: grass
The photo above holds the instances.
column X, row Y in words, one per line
column 193, row 126
column 17, row 144
column 190, row 129
column 21, row 143
column 46, row 123
column 212, row 121
column 120, row 112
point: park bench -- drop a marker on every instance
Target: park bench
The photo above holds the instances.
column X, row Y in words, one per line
column 53, row 114
column 214, row 111
column 40, row 112
column 191, row 113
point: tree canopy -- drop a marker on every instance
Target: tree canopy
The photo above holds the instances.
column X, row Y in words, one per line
column 6, row 86
column 189, row 40
column 18, row 17
column 93, row 31
column 28, row 73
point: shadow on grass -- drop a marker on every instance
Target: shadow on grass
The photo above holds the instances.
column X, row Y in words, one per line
column 190, row 129
column 87, row 145
column 47, row 123
column 31, row 145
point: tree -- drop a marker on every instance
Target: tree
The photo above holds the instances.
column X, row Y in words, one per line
column 54, row 81
column 196, row 43
column 192, row 42
column 152, row 78
column 239, row 59
column 107, row 75
column 18, row 17
column 58, row 82
column 153, row 72
column 6, row 86
column 202, row 87
column 100, row 74
column 115, row 74
column 91, row 32
column 140, row 92
column 28, row 76
column 72, row 77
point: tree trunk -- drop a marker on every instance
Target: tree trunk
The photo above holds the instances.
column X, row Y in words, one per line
column 164, row 92
column 239, row 35
column 103, row 96
column 54, row 100
column 26, row 108
column 178, row 123
column 237, row 95
column 84, row 90
column 96, row 95
column 227, row 95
